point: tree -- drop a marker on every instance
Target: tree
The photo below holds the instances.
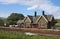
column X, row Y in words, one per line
column 58, row 20
column 14, row 17
column 1, row 22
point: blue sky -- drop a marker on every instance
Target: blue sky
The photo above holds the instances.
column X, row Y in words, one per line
column 28, row 7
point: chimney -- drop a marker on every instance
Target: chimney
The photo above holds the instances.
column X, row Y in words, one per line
column 43, row 13
column 35, row 14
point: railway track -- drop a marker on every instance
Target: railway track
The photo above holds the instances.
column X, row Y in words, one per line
column 49, row 32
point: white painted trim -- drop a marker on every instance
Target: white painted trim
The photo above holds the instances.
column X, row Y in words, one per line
column 28, row 18
column 40, row 17
column 51, row 18
column 24, row 18
column 45, row 18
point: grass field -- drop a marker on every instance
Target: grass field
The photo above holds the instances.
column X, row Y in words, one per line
column 19, row 35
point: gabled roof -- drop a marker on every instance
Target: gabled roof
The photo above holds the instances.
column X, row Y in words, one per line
column 28, row 18
column 46, row 17
column 33, row 19
column 49, row 17
column 43, row 17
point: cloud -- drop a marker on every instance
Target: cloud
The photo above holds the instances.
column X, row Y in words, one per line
column 25, row 2
column 33, row 7
column 8, row 1
column 50, row 8
column 45, row 5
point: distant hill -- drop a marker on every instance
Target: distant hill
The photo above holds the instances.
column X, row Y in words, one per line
column 4, row 19
column 58, row 20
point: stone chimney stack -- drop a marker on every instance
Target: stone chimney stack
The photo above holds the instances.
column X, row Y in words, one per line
column 43, row 13
column 35, row 14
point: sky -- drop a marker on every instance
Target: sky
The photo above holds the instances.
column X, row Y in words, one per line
column 28, row 7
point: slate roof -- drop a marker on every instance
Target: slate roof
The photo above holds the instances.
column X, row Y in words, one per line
column 33, row 19
column 49, row 17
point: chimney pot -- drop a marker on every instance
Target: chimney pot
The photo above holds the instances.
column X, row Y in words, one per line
column 35, row 13
column 42, row 12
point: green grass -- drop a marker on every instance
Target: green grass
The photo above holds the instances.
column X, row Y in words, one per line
column 57, row 24
column 19, row 35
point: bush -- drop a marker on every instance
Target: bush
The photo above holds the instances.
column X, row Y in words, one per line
column 1, row 22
